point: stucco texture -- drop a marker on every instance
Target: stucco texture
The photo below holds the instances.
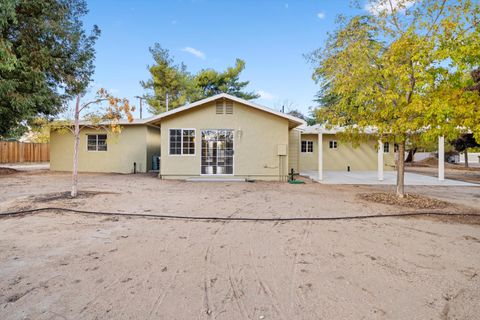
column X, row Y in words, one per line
column 257, row 135
column 359, row 158
column 294, row 150
column 136, row 143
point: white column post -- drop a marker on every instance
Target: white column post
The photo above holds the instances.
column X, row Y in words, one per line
column 380, row 161
column 320, row 156
column 441, row 158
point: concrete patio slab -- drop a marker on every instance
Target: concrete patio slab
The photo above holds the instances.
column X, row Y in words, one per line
column 390, row 178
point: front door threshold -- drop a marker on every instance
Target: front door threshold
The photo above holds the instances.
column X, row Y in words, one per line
column 215, row 179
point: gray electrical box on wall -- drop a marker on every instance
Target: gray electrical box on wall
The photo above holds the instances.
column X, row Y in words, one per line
column 281, row 150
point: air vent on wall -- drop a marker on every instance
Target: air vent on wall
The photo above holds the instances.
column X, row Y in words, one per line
column 219, row 107
column 229, row 107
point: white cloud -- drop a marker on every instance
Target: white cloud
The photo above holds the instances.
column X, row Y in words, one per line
column 195, row 52
column 266, row 95
column 321, row 15
column 377, row 6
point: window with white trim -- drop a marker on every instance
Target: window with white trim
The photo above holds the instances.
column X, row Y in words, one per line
column 307, row 146
column 386, row 147
column 332, row 144
column 96, row 142
column 395, row 147
column 182, row 142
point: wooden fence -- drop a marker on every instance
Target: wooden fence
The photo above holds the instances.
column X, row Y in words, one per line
column 14, row 151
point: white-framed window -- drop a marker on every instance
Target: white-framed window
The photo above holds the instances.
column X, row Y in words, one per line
column 332, row 144
column 307, row 146
column 386, row 147
column 181, row 142
column 395, row 147
column 96, row 142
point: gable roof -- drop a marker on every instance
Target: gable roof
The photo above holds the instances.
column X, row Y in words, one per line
column 292, row 121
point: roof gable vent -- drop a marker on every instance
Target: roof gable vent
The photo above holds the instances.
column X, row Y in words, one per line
column 219, row 107
column 228, row 107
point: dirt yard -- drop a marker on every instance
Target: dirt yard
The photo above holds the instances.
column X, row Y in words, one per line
column 56, row 265
column 452, row 171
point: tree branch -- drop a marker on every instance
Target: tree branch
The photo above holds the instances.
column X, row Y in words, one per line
column 412, row 82
column 394, row 17
column 92, row 102
column 436, row 18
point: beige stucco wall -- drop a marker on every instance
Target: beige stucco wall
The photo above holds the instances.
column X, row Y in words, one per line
column 153, row 144
column 309, row 160
column 360, row 158
column 257, row 135
column 131, row 145
column 293, row 150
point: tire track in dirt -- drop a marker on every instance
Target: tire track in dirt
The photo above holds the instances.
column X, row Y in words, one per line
column 236, row 289
column 265, row 288
column 93, row 302
column 294, row 296
column 208, row 309
column 161, row 298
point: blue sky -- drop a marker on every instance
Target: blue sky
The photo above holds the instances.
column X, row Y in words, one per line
column 271, row 36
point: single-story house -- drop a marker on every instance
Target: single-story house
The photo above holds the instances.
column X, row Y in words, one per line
column 218, row 137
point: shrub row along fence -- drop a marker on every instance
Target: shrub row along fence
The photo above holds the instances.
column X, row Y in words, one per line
column 14, row 151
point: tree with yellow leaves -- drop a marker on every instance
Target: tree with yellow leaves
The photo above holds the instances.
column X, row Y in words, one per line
column 402, row 69
column 106, row 118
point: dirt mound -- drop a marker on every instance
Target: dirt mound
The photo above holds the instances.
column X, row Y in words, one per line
column 432, row 162
column 410, row 200
column 428, row 162
column 48, row 197
column 7, row 171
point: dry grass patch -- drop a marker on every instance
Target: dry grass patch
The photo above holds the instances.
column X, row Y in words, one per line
column 410, row 200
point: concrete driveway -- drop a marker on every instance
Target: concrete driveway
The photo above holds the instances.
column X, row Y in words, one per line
column 390, row 178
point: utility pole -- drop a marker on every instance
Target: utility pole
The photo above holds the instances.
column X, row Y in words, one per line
column 140, row 98
column 166, row 100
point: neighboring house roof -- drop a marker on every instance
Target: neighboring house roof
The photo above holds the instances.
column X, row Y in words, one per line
column 321, row 128
column 293, row 121
column 121, row 122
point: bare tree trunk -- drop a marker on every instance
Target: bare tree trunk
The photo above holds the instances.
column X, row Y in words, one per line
column 466, row 158
column 75, row 148
column 401, row 170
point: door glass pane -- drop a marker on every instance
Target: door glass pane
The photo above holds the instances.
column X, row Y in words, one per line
column 217, row 152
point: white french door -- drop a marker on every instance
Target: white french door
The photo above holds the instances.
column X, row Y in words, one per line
column 217, row 152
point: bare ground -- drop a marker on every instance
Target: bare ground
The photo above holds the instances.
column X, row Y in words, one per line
column 71, row 266
column 452, row 171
